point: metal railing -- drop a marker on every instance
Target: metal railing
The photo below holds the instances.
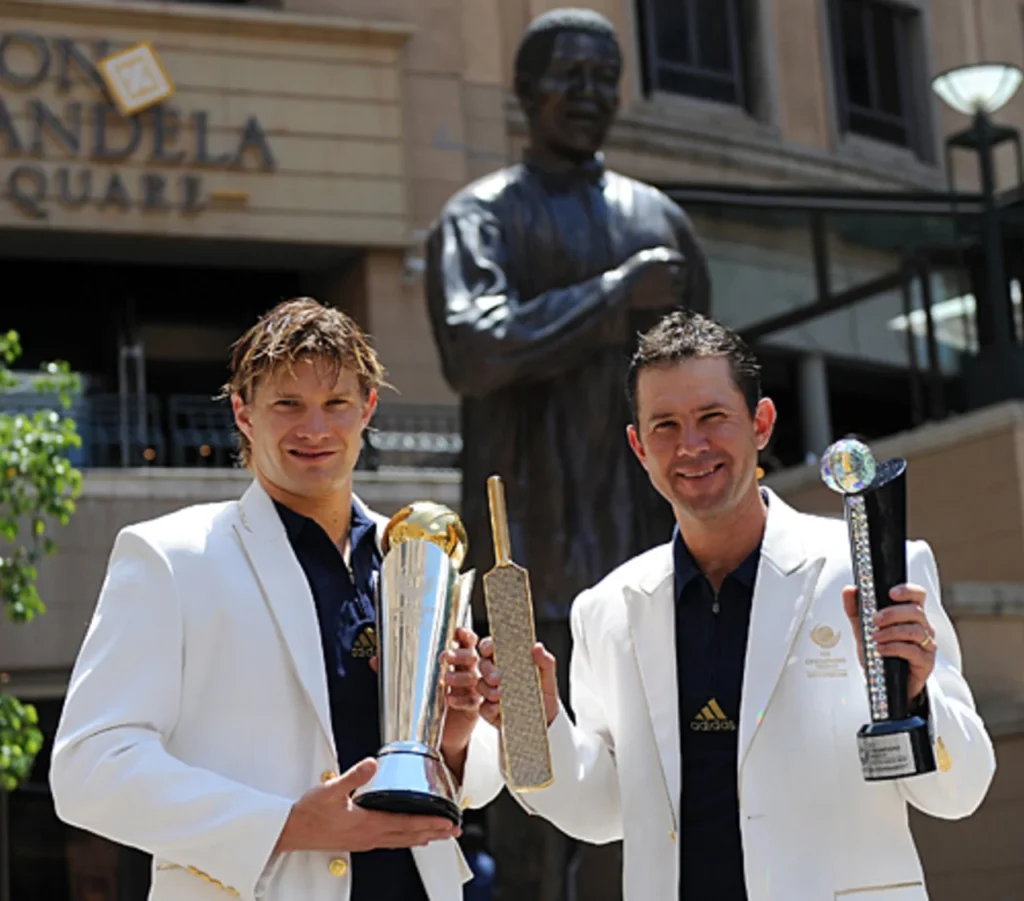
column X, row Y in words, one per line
column 192, row 431
column 420, row 436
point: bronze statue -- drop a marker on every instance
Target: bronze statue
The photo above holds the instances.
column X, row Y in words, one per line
column 539, row 277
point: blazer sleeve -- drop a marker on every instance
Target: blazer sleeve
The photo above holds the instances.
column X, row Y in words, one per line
column 111, row 772
column 482, row 780
column 583, row 801
column 964, row 752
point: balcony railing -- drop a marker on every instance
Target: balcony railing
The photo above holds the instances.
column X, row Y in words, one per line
column 191, row 431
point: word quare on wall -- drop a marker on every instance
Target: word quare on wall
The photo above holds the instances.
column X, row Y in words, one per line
column 85, row 126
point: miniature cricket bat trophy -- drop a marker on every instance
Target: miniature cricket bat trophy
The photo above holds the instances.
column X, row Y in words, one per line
column 524, row 728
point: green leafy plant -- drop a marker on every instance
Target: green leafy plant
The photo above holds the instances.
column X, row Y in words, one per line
column 38, row 487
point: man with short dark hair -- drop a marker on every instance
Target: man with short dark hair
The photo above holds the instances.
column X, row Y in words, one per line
column 539, row 277
column 715, row 680
column 224, row 704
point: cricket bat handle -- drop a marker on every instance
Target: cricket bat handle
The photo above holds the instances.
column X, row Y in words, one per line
column 499, row 520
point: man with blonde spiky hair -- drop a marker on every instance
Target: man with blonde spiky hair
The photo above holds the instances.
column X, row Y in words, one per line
column 228, row 675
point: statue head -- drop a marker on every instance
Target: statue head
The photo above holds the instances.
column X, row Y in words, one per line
column 567, row 71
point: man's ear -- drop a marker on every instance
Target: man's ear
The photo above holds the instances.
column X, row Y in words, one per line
column 243, row 415
column 764, row 422
column 636, row 444
column 370, row 406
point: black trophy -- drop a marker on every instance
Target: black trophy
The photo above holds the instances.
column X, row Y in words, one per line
column 895, row 744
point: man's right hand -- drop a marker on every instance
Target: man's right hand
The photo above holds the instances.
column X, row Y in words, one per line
column 490, row 682
column 656, row 279
column 326, row 819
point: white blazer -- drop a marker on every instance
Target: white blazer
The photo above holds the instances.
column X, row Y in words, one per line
column 812, row 828
column 197, row 713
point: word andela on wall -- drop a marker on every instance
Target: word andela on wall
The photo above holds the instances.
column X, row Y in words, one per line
column 126, row 123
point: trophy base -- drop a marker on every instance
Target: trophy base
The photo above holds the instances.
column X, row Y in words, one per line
column 895, row 749
column 411, row 779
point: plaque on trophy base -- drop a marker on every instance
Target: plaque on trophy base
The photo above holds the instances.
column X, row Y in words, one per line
column 896, row 744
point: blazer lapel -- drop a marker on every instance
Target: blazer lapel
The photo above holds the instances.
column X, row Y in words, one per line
column 786, row 579
column 651, row 614
column 288, row 596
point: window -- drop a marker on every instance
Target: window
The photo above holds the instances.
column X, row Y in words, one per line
column 874, row 52
column 695, row 47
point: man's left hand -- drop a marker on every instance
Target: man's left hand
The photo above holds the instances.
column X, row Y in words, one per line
column 902, row 630
column 461, row 676
column 461, row 673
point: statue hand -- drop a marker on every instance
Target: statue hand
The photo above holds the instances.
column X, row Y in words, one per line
column 645, row 258
column 655, row 279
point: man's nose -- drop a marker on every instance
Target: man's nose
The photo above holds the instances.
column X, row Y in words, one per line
column 692, row 441
column 314, row 424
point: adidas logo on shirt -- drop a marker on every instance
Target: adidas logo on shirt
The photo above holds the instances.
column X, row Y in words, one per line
column 365, row 645
column 712, row 718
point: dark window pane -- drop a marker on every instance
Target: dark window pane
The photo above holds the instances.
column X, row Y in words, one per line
column 873, row 40
column 51, row 860
column 872, row 126
column 693, row 84
column 887, row 61
column 855, row 52
column 694, row 48
column 672, row 32
column 714, row 41
column 37, row 840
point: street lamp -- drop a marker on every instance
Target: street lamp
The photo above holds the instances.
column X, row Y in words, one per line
column 979, row 91
column 986, row 87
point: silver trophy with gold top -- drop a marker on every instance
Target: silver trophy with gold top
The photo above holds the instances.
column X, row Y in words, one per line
column 422, row 598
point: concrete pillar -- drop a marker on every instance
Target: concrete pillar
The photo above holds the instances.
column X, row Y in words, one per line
column 400, row 328
column 815, row 413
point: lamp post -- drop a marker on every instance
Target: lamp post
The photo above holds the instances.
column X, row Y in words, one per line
column 979, row 91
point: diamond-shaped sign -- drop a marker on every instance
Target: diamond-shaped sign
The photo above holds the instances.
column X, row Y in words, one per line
column 136, row 78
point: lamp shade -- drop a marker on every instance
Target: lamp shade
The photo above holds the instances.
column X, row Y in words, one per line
column 985, row 87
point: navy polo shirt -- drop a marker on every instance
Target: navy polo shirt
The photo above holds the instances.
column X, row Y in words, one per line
column 711, row 648
column 347, row 616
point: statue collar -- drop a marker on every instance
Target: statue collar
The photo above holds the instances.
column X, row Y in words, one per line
column 564, row 172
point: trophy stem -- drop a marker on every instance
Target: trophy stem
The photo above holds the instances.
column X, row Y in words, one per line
column 868, row 604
